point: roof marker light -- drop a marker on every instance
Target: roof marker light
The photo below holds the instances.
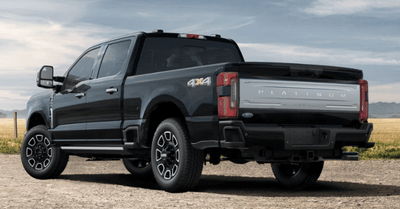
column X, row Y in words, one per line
column 195, row 36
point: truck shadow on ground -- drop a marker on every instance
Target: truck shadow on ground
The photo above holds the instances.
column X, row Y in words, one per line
column 248, row 186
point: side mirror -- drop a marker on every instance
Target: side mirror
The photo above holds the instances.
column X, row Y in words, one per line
column 45, row 77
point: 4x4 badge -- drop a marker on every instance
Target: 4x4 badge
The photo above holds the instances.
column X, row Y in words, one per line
column 199, row 82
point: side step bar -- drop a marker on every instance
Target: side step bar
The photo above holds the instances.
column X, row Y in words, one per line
column 92, row 148
column 100, row 150
column 350, row 156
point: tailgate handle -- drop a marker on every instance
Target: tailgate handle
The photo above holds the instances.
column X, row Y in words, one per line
column 112, row 90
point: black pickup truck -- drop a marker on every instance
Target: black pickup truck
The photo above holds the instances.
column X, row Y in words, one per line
column 165, row 103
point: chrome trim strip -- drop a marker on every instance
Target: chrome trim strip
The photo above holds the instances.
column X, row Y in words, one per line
column 92, row 148
column 344, row 107
column 51, row 110
column 259, row 103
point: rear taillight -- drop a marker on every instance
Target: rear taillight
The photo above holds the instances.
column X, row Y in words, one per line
column 227, row 90
column 363, row 100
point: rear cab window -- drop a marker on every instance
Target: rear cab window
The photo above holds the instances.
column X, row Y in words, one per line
column 164, row 53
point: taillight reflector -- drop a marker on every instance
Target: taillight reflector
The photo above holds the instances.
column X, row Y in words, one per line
column 228, row 105
column 363, row 100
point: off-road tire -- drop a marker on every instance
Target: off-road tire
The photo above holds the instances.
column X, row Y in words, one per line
column 176, row 164
column 297, row 175
column 40, row 158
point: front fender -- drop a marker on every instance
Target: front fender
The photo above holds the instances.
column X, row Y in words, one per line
column 39, row 105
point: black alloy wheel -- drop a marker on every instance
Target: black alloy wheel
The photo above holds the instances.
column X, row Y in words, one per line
column 167, row 155
column 39, row 157
column 176, row 164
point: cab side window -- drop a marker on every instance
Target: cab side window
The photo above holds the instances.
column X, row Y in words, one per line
column 81, row 70
column 114, row 59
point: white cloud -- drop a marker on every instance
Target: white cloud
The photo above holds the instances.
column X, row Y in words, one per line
column 11, row 99
column 304, row 54
column 329, row 7
column 29, row 45
column 145, row 14
column 248, row 21
column 208, row 24
column 384, row 93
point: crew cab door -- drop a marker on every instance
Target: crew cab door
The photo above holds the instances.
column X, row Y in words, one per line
column 104, row 96
column 69, row 105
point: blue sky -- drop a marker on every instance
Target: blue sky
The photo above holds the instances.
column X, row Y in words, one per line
column 362, row 34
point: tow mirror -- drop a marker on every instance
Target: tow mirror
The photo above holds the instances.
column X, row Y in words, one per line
column 45, row 77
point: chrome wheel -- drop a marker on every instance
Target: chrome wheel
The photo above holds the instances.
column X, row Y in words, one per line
column 167, row 155
column 39, row 152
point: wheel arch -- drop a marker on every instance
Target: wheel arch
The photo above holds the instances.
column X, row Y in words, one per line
column 35, row 119
column 159, row 109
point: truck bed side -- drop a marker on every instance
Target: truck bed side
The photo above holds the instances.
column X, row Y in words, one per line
column 196, row 101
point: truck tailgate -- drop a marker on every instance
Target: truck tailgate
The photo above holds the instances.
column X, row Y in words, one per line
column 298, row 95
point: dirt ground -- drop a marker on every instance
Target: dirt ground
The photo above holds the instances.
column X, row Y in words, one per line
column 107, row 184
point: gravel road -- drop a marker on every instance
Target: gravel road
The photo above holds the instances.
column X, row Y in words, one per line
column 107, row 184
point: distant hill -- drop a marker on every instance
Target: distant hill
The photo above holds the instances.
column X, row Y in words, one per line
column 376, row 110
column 3, row 115
column 384, row 110
column 21, row 114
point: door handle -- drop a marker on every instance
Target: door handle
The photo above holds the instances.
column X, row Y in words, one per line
column 80, row 95
column 112, row 90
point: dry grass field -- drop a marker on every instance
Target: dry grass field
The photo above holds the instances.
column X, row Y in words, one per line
column 386, row 130
column 8, row 143
column 386, row 135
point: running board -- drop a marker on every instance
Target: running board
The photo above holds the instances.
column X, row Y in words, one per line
column 92, row 148
column 353, row 156
column 103, row 159
column 96, row 150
